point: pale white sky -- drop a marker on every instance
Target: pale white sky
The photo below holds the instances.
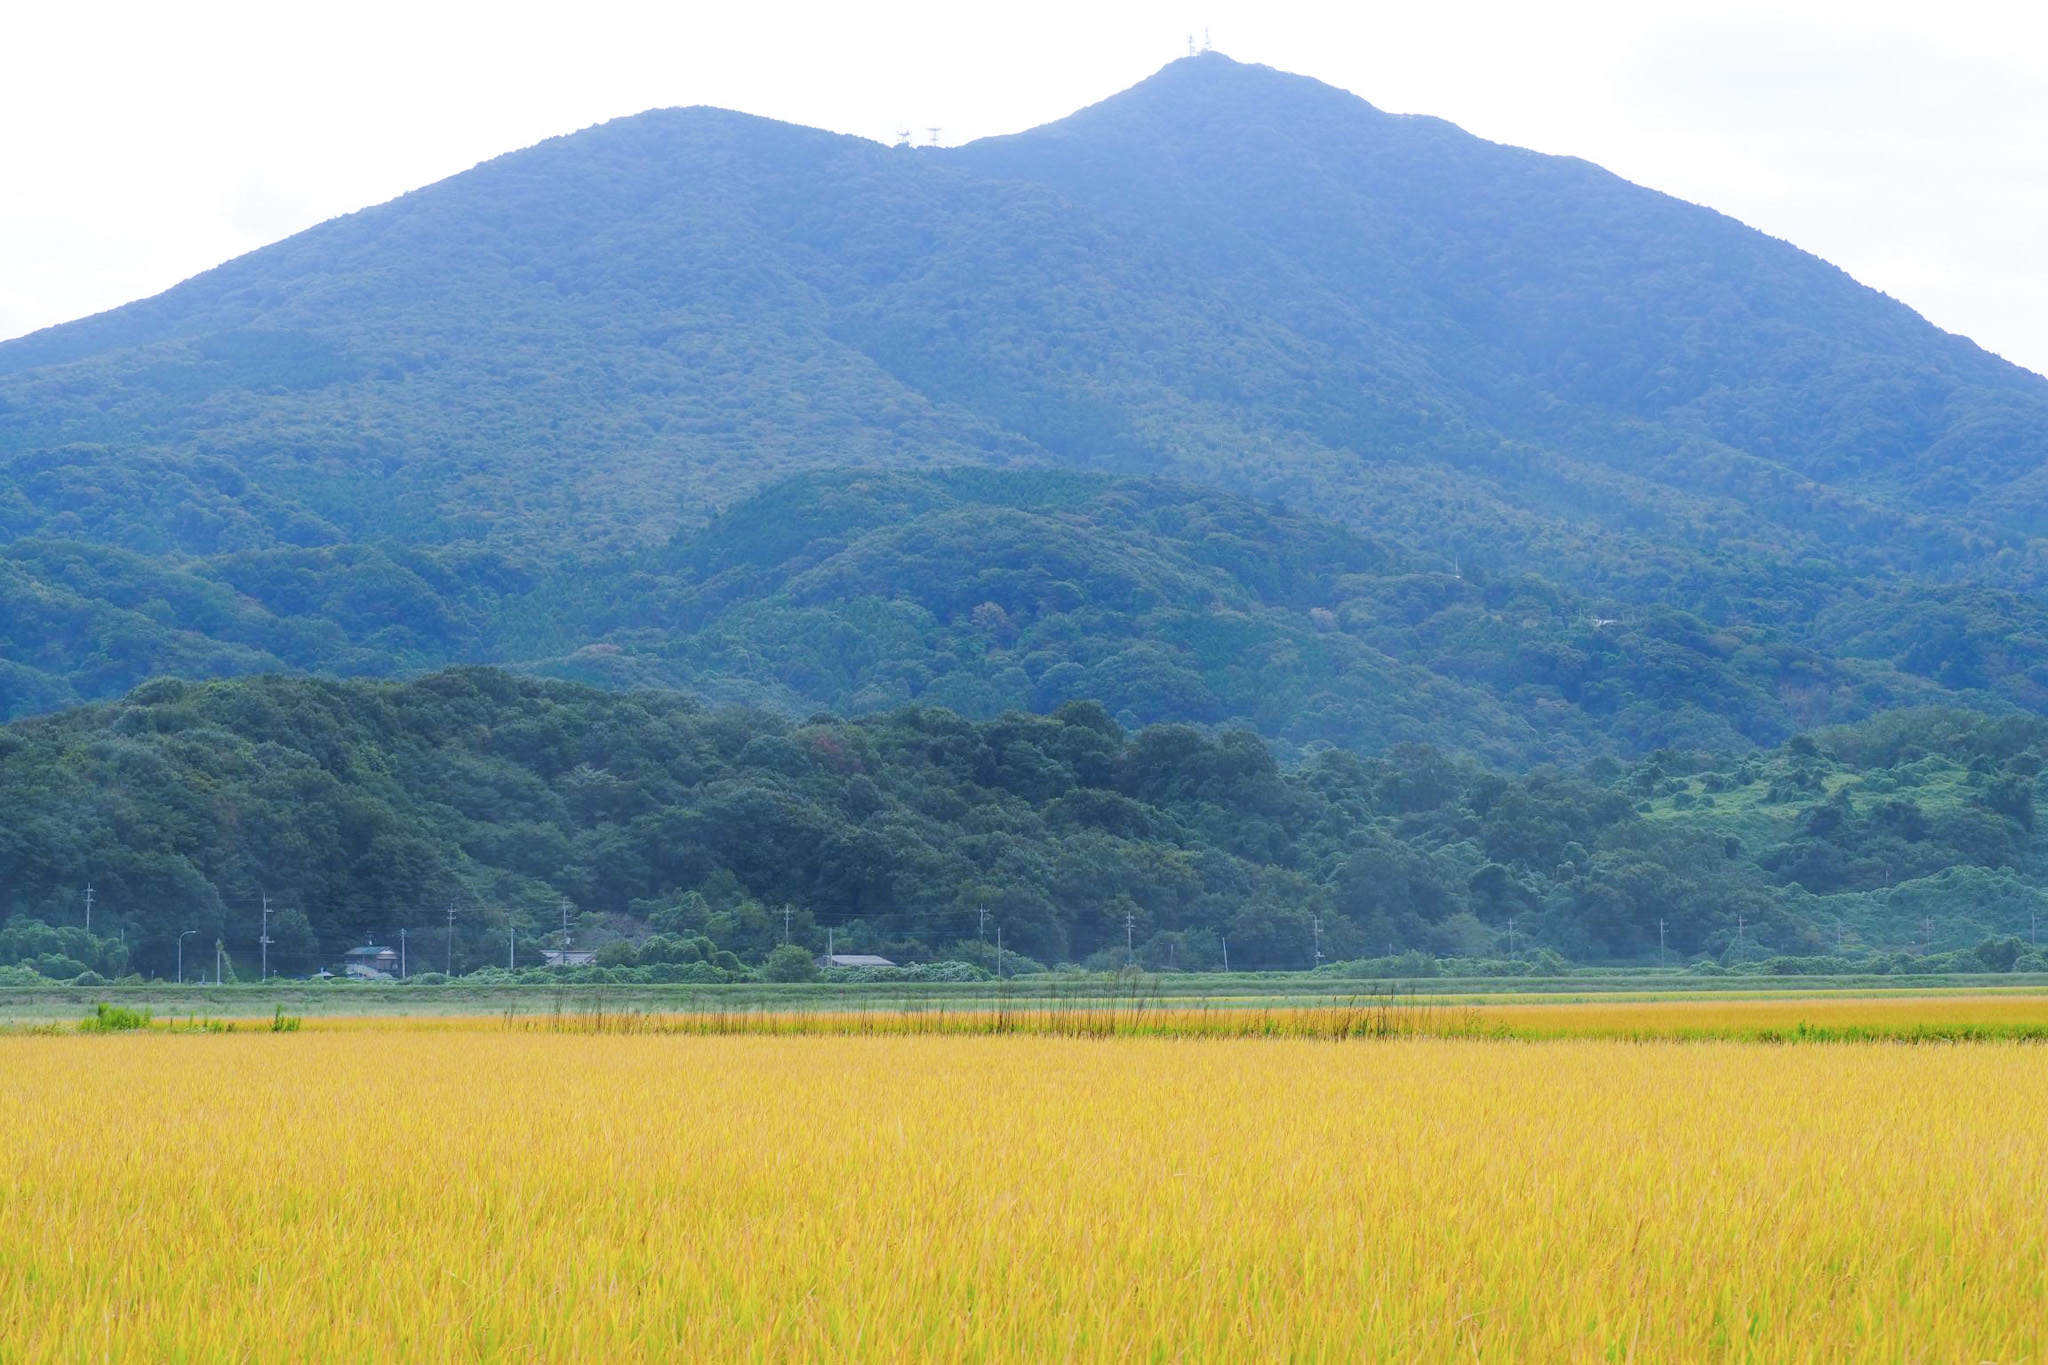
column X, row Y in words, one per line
column 141, row 142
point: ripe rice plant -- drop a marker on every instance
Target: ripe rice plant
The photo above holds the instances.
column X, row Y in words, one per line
column 452, row 1190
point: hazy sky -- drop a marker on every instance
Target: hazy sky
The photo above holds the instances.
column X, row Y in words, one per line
column 144, row 142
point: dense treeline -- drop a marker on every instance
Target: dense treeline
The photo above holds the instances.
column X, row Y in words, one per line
column 361, row 809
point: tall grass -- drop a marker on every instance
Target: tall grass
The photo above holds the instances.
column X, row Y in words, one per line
column 1132, row 1010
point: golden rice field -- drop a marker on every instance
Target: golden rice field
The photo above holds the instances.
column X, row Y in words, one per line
column 425, row 1190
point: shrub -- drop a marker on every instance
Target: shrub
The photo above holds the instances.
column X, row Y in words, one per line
column 106, row 1018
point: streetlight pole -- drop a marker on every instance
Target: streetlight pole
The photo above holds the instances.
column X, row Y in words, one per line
column 181, row 954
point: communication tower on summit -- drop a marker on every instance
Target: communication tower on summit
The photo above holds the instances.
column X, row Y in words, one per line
column 903, row 137
column 935, row 137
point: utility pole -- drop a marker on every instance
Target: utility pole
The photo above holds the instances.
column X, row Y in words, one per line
column 1511, row 935
column 181, row 954
column 787, row 911
column 830, row 951
column 1660, row 943
column 401, row 954
column 88, row 907
column 511, row 944
column 1740, row 923
column 999, row 952
column 263, row 940
column 1316, row 924
column 1226, row 951
column 981, row 924
column 451, row 940
column 1130, row 925
column 565, row 934
column 218, row 980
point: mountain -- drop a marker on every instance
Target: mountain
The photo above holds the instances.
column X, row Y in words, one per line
column 361, row 809
column 510, row 416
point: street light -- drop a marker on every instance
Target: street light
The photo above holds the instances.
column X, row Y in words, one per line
column 181, row 954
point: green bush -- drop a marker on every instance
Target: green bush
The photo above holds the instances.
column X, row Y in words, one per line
column 106, row 1018
column 789, row 962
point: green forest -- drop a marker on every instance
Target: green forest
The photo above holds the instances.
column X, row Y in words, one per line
column 987, row 591
column 690, row 842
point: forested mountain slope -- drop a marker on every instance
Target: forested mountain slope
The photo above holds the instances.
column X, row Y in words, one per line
column 987, row 591
column 463, row 426
column 363, row 808
column 1563, row 306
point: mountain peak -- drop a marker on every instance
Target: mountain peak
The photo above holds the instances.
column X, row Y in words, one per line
column 1200, row 94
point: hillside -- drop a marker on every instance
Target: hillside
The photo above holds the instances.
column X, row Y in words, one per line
column 491, row 420
column 986, row 591
column 363, row 808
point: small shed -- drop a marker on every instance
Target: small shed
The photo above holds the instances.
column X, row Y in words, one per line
column 372, row 962
column 568, row 957
column 853, row 960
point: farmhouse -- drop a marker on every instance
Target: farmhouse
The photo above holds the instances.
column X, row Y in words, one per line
column 568, row 957
column 853, row 960
column 370, row 963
